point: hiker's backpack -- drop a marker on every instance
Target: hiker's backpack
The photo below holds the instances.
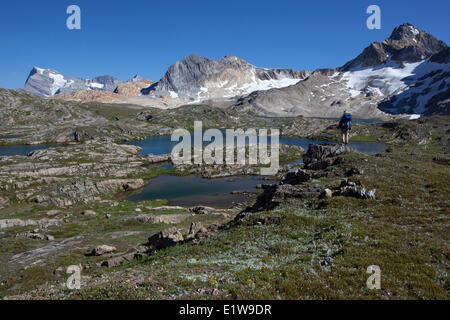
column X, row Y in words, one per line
column 346, row 121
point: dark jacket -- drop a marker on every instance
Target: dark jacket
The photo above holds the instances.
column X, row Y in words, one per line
column 346, row 122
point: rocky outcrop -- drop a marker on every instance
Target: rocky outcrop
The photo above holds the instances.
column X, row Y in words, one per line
column 197, row 232
column 54, row 247
column 117, row 260
column 37, row 236
column 349, row 189
column 102, row 250
column 166, row 238
column 85, row 96
column 202, row 210
column 165, row 218
column 122, row 91
column 275, row 195
column 44, row 223
column 294, row 185
column 56, row 175
column 321, row 156
column 132, row 88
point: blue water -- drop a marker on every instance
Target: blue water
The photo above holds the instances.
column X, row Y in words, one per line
column 21, row 150
column 155, row 145
column 164, row 145
column 363, row 147
column 191, row 191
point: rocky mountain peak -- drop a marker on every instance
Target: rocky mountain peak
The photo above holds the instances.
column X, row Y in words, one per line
column 197, row 78
column 404, row 32
column 407, row 44
column 136, row 78
column 47, row 82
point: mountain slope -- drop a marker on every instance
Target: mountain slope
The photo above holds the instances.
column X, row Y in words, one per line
column 48, row 82
column 196, row 78
column 124, row 90
column 406, row 73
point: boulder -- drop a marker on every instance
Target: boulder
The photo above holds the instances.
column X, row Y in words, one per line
column 201, row 210
column 319, row 152
column 113, row 262
column 354, row 172
column 102, row 250
column 37, row 236
column 52, row 213
column 166, row 238
column 275, row 195
column 88, row 213
column 296, row 176
column 326, row 194
column 320, row 165
column 131, row 254
column 197, row 231
column 353, row 191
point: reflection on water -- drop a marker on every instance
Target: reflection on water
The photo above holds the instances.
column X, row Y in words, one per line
column 191, row 191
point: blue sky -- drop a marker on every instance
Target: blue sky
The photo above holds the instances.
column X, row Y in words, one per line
column 123, row 38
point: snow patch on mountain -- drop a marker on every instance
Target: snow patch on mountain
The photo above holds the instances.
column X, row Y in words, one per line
column 262, row 85
column 47, row 82
column 97, row 85
column 385, row 79
column 427, row 81
column 58, row 81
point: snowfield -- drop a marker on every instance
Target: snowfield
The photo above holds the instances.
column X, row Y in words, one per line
column 388, row 78
column 416, row 83
column 58, row 82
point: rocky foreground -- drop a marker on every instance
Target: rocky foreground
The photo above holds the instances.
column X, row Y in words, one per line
column 310, row 236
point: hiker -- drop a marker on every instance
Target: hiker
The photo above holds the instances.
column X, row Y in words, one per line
column 345, row 125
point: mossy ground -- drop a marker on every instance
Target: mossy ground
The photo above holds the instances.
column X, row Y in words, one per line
column 321, row 249
column 405, row 232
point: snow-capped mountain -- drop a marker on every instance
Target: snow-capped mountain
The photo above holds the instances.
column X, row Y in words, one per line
column 406, row 73
column 47, row 82
column 196, row 78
